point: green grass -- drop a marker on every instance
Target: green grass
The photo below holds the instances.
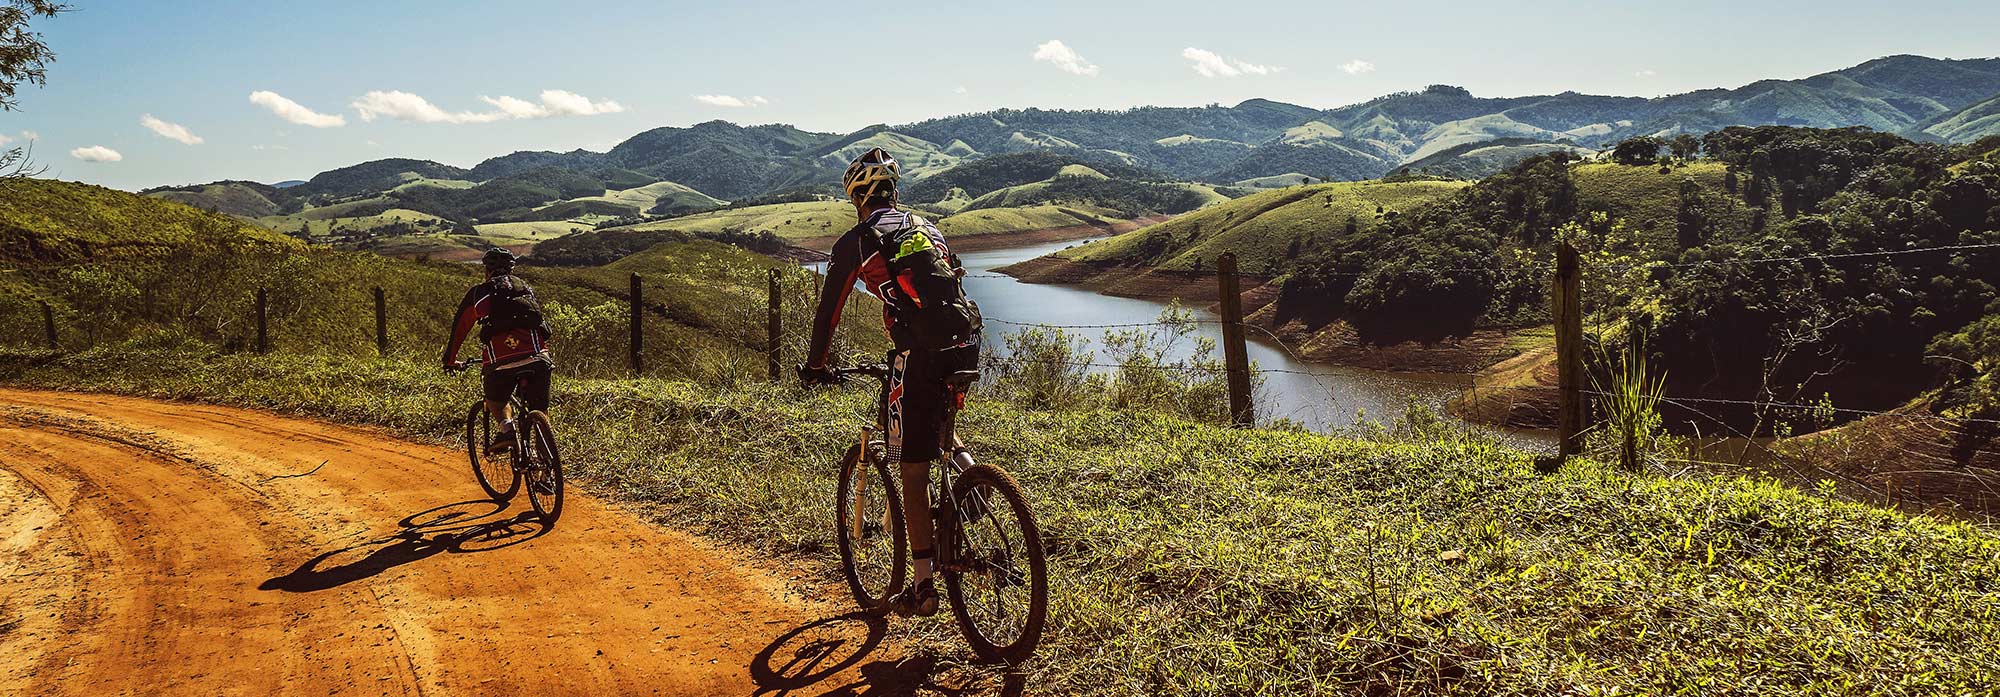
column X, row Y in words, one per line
column 1260, row 228
column 1649, row 201
column 413, row 181
column 645, row 197
column 226, row 197
column 792, row 221
column 1000, row 221
column 54, row 221
column 822, row 219
column 1190, row 559
column 1276, row 181
column 516, row 233
column 320, row 226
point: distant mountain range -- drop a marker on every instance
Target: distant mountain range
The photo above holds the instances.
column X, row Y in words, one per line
column 1441, row 129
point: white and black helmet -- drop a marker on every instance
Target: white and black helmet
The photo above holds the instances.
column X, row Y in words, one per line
column 872, row 174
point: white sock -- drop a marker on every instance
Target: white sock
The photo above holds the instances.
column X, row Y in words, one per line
column 923, row 569
column 506, row 427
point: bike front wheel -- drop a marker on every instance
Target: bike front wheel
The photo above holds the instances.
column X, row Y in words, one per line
column 495, row 472
column 869, row 517
column 999, row 583
column 544, row 474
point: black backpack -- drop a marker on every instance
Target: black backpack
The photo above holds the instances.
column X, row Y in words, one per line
column 511, row 306
column 947, row 318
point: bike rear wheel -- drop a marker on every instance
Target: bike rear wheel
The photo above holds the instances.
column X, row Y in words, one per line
column 495, row 472
column 543, row 475
column 868, row 516
column 999, row 585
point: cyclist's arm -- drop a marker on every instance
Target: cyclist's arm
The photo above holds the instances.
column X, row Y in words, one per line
column 470, row 309
column 840, row 275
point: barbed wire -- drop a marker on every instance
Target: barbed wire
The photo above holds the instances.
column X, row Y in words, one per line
column 1812, row 407
column 1806, row 257
column 1127, row 325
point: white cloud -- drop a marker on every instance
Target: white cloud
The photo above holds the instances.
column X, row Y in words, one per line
column 294, row 112
column 4, row 139
column 1646, row 73
column 169, row 130
column 31, row 135
column 1062, row 56
column 1212, row 64
column 403, row 106
column 1357, row 67
column 96, row 153
column 269, row 147
column 724, row 100
column 959, row 90
column 554, row 103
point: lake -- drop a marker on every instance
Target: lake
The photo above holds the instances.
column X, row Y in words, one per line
column 1330, row 398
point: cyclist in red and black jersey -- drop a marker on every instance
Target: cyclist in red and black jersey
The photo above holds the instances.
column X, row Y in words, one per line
column 900, row 257
column 513, row 340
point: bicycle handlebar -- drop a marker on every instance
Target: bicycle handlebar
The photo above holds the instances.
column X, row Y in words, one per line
column 464, row 365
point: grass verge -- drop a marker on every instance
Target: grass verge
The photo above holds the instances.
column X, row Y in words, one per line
column 1192, row 559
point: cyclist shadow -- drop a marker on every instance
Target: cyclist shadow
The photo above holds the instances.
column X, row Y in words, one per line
column 814, row 659
column 455, row 528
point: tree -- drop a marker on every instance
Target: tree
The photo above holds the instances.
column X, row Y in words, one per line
column 1641, row 150
column 1691, row 224
column 1684, row 147
column 23, row 58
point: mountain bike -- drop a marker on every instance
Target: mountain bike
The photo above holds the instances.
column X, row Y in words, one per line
column 533, row 461
column 989, row 549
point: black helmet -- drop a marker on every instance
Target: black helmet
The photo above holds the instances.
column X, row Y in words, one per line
column 498, row 259
column 874, row 173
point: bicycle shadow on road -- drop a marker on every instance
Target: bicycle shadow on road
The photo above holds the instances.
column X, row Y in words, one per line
column 813, row 659
column 456, row 528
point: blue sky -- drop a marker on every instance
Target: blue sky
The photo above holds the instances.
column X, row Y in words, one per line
column 621, row 67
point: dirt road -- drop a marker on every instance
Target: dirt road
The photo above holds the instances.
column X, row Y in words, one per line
column 151, row 547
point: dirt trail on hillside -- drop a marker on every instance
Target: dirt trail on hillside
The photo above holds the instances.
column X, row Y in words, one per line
column 152, row 547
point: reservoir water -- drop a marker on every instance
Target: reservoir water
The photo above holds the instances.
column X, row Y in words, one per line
column 1321, row 397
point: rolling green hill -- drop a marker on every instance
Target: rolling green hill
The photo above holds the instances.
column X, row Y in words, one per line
column 157, row 268
column 989, row 174
column 242, row 199
column 375, row 176
column 792, row 221
column 1436, row 128
column 1481, row 159
column 1267, row 230
column 1965, row 125
column 658, row 198
column 1080, row 185
column 51, row 221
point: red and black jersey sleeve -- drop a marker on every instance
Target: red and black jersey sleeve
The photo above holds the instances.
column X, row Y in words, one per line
column 841, row 272
column 471, row 309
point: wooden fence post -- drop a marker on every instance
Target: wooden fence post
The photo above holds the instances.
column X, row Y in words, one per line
column 1235, row 356
column 774, row 322
column 49, row 325
column 638, row 311
column 381, row 323
column 263, row 325
column 1568, row 311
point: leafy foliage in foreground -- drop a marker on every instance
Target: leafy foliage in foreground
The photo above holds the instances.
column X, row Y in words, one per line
column 1191, row 559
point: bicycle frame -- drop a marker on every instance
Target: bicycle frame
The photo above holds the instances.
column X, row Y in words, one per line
column 945, row 527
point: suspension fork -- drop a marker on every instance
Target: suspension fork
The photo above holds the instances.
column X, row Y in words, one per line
column 864, row 469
